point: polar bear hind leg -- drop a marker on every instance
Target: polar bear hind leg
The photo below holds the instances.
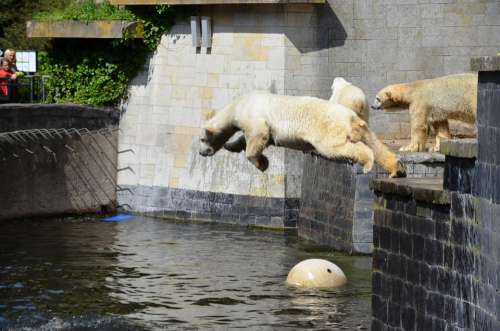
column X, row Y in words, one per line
column 257, row 139
column 442, row 131
column 357, row 152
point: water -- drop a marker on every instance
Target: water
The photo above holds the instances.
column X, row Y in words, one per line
column 149, row 274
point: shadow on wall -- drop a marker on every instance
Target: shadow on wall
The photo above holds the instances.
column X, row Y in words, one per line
column 309, row 31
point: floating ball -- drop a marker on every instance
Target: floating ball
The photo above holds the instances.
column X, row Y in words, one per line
column 316, row 273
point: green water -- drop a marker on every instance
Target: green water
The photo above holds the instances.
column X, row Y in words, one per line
column 149, row 274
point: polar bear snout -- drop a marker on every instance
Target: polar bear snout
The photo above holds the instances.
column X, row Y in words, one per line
column 377, row 104
column 206, row 150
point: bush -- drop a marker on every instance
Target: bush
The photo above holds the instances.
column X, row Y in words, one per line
column 87, row 10
column 99, row 73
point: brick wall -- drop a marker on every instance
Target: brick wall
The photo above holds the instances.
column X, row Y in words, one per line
column 436, row 265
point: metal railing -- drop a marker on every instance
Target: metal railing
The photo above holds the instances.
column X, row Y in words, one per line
column 25, row 89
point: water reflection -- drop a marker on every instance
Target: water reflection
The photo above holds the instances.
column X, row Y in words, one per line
column 150, row 273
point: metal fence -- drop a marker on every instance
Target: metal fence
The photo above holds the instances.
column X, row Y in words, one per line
column 25, row 89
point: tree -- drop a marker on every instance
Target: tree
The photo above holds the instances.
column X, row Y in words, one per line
column 13, row 17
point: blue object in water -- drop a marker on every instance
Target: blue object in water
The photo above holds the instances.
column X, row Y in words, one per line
column 117, row 218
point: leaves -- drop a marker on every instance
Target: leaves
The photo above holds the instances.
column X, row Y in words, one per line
column 99, row 71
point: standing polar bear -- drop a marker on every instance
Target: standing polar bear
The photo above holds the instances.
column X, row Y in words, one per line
column 350, row 96
column 433, row 101
column 302, row 123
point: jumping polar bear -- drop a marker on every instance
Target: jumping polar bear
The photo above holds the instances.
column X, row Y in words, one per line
column 433, row 101
column 346, row 94
column 302, row 123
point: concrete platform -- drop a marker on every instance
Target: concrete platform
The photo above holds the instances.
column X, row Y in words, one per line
column 211, row 2
column 81, row 29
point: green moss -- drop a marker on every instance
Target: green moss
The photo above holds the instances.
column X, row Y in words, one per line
column 87, row 10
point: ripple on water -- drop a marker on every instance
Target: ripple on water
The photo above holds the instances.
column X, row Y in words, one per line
column 154, row 274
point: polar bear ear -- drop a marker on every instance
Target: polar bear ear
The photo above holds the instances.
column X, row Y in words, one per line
column 207, row 114
column 209, row 131
column 388, row 94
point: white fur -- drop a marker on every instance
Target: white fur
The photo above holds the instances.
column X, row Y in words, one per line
column 338, row 84
column 298, row 122
column 350, row 96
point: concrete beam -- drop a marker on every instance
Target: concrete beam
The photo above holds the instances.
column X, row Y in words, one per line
column 81, row 29
column 211, row 2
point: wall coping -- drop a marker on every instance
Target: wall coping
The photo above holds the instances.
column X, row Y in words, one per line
column 69, row 107
column 212, row 2
column 485, row 63
column 110, row 29
column 421, row 157
column 421, row 189
column 462, row 148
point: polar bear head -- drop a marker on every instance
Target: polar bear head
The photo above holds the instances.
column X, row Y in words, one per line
column 383, row 99
column 212, row 139
column 391, row 98
column 338, row 84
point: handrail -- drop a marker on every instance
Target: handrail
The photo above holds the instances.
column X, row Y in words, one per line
column 28, row 88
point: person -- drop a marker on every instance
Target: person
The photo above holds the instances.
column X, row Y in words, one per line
column 10, row 56
column 7, row 76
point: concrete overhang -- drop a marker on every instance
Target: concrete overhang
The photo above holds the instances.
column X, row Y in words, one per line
column 81, row 29
column 211, row 2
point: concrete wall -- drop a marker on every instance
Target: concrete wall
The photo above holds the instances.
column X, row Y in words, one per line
column 285, row 49
column 163, row 117
column 380, row 42
column 44, row 173
column 336, row 204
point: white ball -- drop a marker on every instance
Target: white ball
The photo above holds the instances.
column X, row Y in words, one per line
column 316, row 273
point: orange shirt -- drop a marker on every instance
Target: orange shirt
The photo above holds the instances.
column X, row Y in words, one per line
column 3, row 82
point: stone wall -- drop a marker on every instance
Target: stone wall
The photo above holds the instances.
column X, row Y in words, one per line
column 292, row 49
column 436, row 264
column 164, row 113
column 336, row 204
column 415, row 271
column 376, row 43
column 51, row 172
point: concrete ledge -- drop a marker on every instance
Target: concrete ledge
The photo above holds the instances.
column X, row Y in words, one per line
column 485, row 63
column 211, row 2
column 15, row 117
column 183, row 204
column 421, row 189
column 462, row 148
column 420, row 157
column 80, row 29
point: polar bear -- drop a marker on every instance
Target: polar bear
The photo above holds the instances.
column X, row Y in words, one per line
column 346, row 94
column 433, row 101
column 302, row 123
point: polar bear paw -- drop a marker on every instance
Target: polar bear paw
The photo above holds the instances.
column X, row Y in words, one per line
column 399, row 172
column 412, row 148
column 368, row 166
column 262, row 163
column 434, row 148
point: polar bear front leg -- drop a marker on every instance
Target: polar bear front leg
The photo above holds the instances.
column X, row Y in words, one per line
column 257, row 139
column 442, row 130
column 418, row 130
column 357, row 152
column 237, row 145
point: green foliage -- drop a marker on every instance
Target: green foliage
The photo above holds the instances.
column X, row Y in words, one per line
column 94, row 72
column 86, row 10
column 96, row 75
column 157, row 21
column 13, row 17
